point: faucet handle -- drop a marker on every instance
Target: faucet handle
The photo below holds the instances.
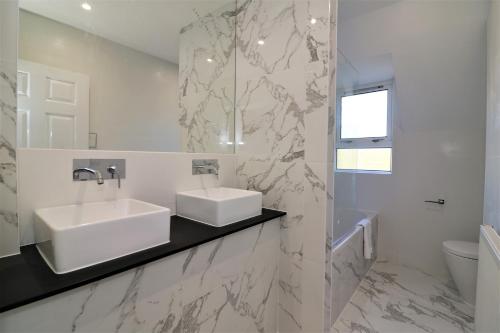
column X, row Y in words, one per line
column 113, row 170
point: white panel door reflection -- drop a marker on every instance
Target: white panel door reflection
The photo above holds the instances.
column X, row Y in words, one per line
column 53, row 107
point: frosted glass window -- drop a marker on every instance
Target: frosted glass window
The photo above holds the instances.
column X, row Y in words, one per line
column 366, row 159
column 364, row 115
column 364, row 129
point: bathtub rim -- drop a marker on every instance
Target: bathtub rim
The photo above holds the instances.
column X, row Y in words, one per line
column 340, row 242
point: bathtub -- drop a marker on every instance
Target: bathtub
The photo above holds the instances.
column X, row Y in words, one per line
column 345, row 221
column 348, row 263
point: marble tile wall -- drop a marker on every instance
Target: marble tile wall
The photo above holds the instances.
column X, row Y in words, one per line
column 228, row 285
column 332, row 91
column 282, row 118
column 207, row 82
column 9, row 239
column 349, row 267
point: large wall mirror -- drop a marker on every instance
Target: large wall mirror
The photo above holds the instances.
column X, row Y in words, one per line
column 127, row 75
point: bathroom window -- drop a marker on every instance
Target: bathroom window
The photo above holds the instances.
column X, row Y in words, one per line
column 364, row 129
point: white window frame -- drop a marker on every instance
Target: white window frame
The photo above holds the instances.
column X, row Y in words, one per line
column 369, row 142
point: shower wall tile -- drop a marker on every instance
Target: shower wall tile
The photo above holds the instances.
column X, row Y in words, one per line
column 226, row 285
column 9, row 234
column 282, row 99
column 207, row 81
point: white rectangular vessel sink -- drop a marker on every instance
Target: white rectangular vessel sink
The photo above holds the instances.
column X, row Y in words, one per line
column 219, row 206
column 77, row 236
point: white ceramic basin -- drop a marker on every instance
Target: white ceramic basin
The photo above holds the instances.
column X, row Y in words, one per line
column 78, row 236
column 219, row 206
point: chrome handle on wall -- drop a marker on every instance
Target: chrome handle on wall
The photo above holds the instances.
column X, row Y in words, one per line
column 114, row 171
column 439, row 201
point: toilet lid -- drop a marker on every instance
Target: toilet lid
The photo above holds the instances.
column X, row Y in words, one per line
column 463, row 249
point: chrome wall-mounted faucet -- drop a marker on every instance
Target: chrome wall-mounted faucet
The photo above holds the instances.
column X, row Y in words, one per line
column 99, row 169
column 203, row 167
column 96, row 173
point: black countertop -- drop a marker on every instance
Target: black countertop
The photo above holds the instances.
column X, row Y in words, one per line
column 26, row 278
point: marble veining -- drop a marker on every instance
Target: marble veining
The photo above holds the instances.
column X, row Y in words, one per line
column 39, row 282
column 9, row 234
column 206, row 82
column 227, row 285
column 330, row 148
column 395, row 298
column 282, row 99
column 349, row 267
column 83, row 307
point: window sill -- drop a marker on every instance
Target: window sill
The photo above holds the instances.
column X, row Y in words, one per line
column 368, row 172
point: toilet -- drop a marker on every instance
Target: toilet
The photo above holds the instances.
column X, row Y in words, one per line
column 461, row 258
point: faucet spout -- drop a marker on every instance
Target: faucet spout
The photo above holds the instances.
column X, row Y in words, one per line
column 96, row 173
column 208, row 168
column 202, row 167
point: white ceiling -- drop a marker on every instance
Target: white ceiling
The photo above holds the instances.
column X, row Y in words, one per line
column 150, row 26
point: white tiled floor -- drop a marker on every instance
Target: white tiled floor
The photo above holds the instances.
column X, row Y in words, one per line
column 393, row 298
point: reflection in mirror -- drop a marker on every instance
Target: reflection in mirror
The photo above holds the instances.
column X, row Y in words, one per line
column 127, row 75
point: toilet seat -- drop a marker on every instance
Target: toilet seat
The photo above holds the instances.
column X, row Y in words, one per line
column 462, row 249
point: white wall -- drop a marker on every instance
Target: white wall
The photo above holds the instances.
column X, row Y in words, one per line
column 45, row 180
column 439, row 56
column 492, row 173
column 133, row 96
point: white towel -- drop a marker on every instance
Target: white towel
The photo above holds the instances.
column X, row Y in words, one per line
column 367, row 238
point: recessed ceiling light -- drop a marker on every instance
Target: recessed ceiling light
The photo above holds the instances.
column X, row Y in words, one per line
column 86, row 6
column 210, row 60
column 313, row 21
column 260, row 42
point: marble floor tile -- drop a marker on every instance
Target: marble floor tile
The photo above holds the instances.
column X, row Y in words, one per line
column 394, row 298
